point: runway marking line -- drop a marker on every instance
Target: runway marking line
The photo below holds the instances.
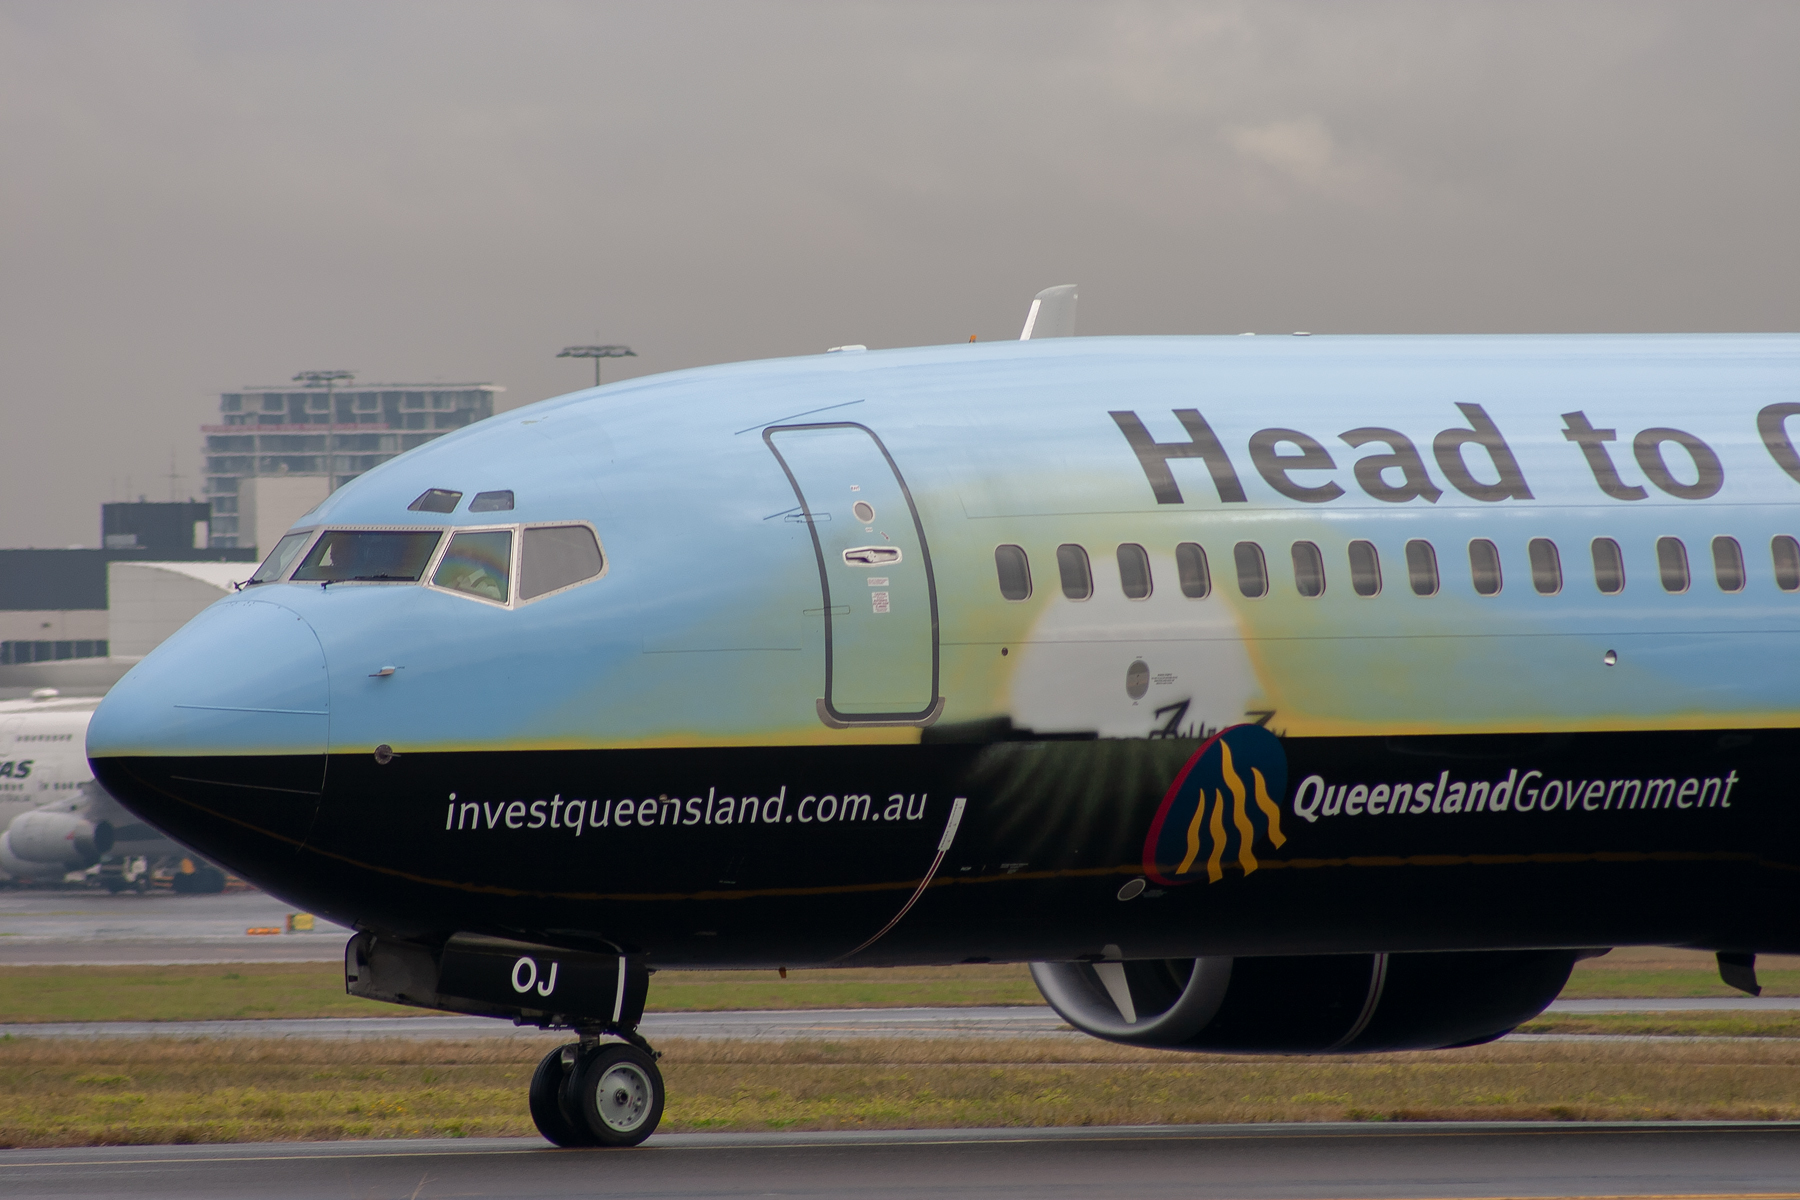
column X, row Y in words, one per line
column 1011, row 1141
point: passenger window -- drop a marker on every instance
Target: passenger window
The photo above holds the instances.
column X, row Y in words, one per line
column 438, row 500
column 1728, row 564
column 1421, row 567
column 369, row 556
column 1546, row 566
column 477, row 564
column 1484, row 567
column 1365, row 569
column 492, row 502
column 556, row 556
column 281, row 558
column 1252, row 570
column 1609, row 566
column 1786, row 553
column 1077, row 577
column 1190, row 565
column 1672, row 564
column 1014, row 570
column 1134, row 571
column 1309, row 569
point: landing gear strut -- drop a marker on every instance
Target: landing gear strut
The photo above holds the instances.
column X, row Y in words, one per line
column 594, row 1093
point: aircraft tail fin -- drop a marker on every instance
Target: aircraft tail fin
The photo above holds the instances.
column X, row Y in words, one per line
column 1052, row 314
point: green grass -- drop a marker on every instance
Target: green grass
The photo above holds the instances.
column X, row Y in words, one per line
column 180, row 993
column 1669, row 984
column 56, row 1092
column 227, row 991
column 1650, row 971
column 714, row 991
column 1680, row 1024
column 236, row 991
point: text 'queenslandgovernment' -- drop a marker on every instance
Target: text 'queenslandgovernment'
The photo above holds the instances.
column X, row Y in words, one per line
column 1531, row 792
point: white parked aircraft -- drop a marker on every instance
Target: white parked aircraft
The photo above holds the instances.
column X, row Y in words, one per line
column 55, row 819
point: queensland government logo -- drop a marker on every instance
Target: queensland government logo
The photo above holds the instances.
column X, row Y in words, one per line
column 1227, row 796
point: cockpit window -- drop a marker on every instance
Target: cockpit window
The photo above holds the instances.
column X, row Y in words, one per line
column 281, row 557
column 478, row 564
column 492, row 502
column 368, row 556
column 438, row 500
column 557, row 556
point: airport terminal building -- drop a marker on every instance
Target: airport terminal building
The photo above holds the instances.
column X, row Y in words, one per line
column 153, row 570
column 278, row 451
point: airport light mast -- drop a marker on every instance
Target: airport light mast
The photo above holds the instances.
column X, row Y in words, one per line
column 329, row 381
column 597, row 353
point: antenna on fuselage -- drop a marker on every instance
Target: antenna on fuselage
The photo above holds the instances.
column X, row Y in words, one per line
column 1052, row 314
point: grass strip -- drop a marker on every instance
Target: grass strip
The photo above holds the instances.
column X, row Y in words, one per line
column 851, row 987
column 66, row 1093
column 1662, row 972
column 234, row 991
column 1691, row 1024
column 1596, row 983
column 213, row 992
column 208, row 992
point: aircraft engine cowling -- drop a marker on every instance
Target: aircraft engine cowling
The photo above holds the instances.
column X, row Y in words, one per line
column 39, row 840
column 1312, row 1004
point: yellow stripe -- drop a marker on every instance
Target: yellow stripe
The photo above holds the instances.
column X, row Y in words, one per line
column 1239, row 815
column 1193, row 834
column 1269, row 808
column 1214, row 872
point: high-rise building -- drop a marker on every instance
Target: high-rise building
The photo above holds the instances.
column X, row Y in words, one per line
column 283, row 432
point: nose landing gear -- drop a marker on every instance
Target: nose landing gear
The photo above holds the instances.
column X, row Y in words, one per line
column 603, row 1090
column 594, row 1093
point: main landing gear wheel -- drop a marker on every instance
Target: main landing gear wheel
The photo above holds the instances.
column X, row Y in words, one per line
column 546, row 1098
column 617, row 1092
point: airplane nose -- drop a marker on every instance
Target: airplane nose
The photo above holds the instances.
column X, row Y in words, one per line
column 225, row 724
column 244, row 677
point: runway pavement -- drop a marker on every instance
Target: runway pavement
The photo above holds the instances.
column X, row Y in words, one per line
column 1244, row 1162
column 68, row 927
column 1036, row 1021
column 833, row 1024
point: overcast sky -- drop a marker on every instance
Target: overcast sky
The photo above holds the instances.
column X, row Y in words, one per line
column 198, row 196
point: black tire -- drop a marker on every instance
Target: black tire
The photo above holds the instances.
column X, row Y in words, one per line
column 619, row 1093
column 547, row 1111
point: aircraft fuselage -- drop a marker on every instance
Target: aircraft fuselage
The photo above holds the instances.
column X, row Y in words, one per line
column 910, row 656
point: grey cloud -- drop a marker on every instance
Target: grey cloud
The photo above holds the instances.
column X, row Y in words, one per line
column 201, row 195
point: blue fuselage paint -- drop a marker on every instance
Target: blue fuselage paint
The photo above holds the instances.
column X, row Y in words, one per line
column 801, row 600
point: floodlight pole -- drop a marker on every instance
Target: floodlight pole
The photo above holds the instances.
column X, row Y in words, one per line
column 329, row 380
column 597, row 353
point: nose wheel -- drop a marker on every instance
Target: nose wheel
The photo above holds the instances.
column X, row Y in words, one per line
column 602, row 1094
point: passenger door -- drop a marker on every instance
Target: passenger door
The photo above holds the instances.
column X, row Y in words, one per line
column 879, row 597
